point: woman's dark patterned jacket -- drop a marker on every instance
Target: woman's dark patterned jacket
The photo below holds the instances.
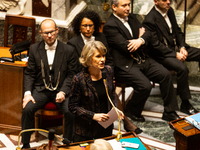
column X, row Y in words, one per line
column 84, row 102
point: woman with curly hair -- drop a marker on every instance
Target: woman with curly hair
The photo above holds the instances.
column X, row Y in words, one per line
column 86, row 26
column 92, row 16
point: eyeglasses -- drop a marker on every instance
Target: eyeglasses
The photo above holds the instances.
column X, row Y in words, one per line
column 53, row 32
column 87, row 25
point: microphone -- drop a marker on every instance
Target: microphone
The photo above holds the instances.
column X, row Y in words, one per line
column 119, row 134
column 66, row 141
column 51, row 138
column 63, row 140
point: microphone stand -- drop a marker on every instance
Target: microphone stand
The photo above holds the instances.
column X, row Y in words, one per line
column 28, row 130
column 119, row 134
column 51, row 138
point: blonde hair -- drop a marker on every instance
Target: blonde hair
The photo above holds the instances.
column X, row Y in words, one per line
column 88, row 52
column 100, row 144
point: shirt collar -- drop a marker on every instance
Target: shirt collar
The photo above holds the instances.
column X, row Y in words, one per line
column 52, row 47
column 162, row 13
column 123, row 20
column 86, row 39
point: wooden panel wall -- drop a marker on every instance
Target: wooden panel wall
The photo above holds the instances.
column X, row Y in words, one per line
column 11, row 94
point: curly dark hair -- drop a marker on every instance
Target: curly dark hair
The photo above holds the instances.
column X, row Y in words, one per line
column 86, row 14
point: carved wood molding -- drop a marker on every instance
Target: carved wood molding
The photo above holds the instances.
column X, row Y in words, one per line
column 39, row 9
column 19, row 34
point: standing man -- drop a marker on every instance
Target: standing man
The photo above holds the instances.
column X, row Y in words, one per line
column 127, row 40
column 51, row 67
column 169, row 48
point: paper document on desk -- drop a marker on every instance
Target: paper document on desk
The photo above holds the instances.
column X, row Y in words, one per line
column 116, row 145
column 25, row 59
column 113, row 116
column 135, row 140
column 194, row 120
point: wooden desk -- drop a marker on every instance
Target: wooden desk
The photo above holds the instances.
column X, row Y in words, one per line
column 75, row 146
column 4, row 52
column 11, row 94
column 185, row 140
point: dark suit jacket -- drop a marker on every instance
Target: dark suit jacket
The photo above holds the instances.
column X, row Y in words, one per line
column 156, row 24
column 65, row 61
column 78, row 43
column 117, row 36
column 83, row 101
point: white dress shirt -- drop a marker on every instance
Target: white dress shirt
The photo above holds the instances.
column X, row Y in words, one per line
column 86, row 39
column 51, row 52
column 125, row 22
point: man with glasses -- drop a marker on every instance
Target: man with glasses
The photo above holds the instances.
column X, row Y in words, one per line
column 168, row 47
column 47, row 78
column 128, row 41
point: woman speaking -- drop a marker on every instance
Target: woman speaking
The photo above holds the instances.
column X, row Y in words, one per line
column 88, row 99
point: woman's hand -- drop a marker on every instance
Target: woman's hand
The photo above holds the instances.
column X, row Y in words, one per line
column 101, row 117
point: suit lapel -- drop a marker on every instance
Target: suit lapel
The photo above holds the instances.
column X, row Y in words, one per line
column 122, row 27
column 134, row 26
column 97, row 38
column 172, row 20
column 58, row 59
column 43, row 55
column 80, row 44
column 162, row 25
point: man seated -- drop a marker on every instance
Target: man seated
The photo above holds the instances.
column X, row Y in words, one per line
column 127, row 40
column 47, row 78
column 169, row 48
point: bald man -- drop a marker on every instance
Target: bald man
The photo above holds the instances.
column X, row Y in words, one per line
column 47, row 78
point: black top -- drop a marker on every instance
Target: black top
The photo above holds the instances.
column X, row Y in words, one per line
column 101, row 91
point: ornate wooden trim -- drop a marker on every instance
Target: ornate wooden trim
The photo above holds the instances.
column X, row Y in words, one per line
column 39, row 9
